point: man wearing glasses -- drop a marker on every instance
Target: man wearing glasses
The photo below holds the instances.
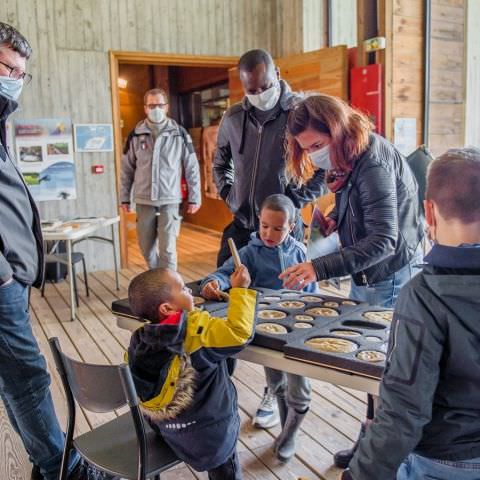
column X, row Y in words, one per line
column 158, row 152
column 24, row 380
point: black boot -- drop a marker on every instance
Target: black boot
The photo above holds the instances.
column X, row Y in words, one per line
column 342, row 458
column 36, row 474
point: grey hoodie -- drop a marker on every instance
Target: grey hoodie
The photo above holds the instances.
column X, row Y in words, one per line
column 154, row 167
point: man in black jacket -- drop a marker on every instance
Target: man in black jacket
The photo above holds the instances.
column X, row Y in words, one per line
column 249, row 162
column 429, row 411
column 24, row 380
column 249, row 166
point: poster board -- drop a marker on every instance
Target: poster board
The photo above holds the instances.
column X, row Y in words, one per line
column 44, row 151
column 93, row 137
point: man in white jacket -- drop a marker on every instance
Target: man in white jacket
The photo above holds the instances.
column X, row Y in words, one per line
column 158, row 152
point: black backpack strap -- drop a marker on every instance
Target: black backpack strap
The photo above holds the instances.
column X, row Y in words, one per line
column 130, row 136
column 186, row 139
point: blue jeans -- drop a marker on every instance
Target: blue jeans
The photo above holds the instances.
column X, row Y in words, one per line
column 416, row 467
column 24, row 384
column 385, row 293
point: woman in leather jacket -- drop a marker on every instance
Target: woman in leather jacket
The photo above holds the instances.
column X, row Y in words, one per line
column 376, row 214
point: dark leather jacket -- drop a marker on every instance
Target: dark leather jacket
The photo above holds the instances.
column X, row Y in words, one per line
column 378, row 218
column 249, row 162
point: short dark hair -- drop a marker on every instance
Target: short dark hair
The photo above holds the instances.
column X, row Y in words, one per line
column 249, row 60
column 155, row 91
column 13, row 39
column 453, row 183
column 148, row 291
column 280, row 203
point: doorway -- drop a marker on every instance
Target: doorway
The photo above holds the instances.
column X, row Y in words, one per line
column 198, row 91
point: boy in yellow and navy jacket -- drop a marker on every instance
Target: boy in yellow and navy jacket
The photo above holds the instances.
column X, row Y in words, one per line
column 179, row 369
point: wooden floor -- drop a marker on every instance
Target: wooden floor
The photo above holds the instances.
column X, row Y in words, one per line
column 332, row 423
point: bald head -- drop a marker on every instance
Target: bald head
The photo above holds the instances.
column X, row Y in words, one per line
column 257, row 71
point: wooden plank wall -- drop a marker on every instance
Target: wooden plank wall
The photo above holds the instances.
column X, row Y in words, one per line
column 315, row 25
column 472, row 94
column 71, row 40
column 404, row 73
column 447, row 77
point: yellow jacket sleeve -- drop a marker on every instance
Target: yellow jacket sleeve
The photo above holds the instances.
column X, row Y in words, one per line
column 230, row 334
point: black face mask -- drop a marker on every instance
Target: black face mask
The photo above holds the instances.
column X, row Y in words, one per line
column 7, row 107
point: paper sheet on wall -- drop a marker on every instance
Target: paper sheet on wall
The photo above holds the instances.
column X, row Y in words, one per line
column 405, row 135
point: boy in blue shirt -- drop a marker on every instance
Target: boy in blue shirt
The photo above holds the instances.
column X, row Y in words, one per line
column 270, row 251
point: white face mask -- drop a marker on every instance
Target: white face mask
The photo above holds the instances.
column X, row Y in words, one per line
column 267, row 99
column 157, row 115
column 11, row 88
column 321, row 158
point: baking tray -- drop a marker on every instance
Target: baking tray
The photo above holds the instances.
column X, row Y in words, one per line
column 296, row 306
column 370, row 335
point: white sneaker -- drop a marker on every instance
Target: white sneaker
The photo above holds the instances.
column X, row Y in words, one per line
column 267, row 414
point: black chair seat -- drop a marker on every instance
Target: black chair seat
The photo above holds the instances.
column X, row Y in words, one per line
column 112, row 447
column 76, row 257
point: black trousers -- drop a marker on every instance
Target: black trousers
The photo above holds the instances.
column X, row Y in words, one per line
column 230, row 470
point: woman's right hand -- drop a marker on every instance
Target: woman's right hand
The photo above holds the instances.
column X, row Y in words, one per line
column 211, row 291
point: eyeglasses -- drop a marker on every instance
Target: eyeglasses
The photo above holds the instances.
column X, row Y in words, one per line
column 18, row 74
column 151, row 106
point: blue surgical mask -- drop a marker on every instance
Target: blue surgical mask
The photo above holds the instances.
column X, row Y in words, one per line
column 11, row 88
column 321, row 158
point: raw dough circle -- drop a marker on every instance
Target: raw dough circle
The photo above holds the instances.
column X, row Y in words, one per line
column 272, row 328
column 304, row 318
column 346, row 333
column 371, row 356
column 303, row 325
column 290, row 294
column 349, row 302
column 384, row 315
column 272, row 298
column 271, row 314
column 330, row 344
column 291, row 304
column 322, row 312
column 331, row 304
column 372, row 338
column 311, row 298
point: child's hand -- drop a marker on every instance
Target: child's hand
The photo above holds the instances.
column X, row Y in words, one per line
column 211, row 291
column 240, row 278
